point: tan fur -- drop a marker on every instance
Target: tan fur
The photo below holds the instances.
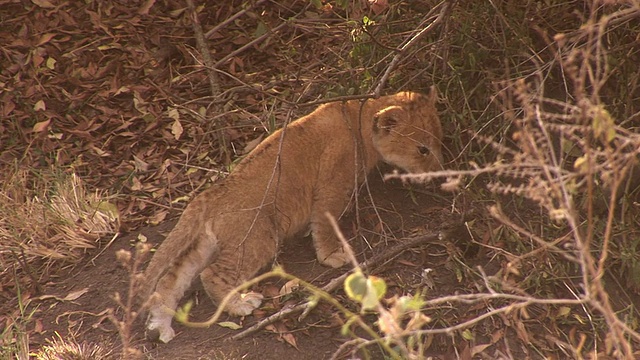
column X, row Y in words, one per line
column 282, row 188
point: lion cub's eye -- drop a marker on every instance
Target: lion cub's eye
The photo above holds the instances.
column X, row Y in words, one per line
column 423, row 150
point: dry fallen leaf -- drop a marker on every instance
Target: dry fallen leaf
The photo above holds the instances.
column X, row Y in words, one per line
column 252, row 144
column 176, row 129
column 41, row 126
column 75, row 294
column 40, row 106
column 43, row 4
column 290, row 339
column 38, row 328
column 378, row 6
column 141, row 165
column 173, row 113
column 289, row 287
column 70, row 297
column 281, row 329
column 158, row 217
column 479, row 348
column 146, row 6
column 45, row 38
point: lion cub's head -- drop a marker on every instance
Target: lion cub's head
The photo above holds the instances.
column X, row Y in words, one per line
column 408, row 134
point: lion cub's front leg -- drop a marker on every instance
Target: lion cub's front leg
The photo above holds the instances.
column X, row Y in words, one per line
column 329, row 250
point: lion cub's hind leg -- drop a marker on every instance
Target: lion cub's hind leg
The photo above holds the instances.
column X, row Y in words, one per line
column 232, row 268
column 172, row 286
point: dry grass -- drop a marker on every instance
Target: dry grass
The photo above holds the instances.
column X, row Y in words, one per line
column 48, row 217
column 69, row 349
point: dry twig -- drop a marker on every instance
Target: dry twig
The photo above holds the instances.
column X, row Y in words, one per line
column 214, row 82
column 231, row 18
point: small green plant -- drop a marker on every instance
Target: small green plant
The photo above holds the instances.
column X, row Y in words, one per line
column 14, row 340
column 399, row 321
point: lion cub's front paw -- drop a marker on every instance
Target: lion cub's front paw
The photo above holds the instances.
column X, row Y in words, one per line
column 158, row 331
column 336, row 259
column 244, row 304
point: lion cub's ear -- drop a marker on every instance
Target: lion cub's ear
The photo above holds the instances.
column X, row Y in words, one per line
column 386, row 119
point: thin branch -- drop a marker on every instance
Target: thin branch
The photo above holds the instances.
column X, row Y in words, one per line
column 214, row 82
column 396, row 59
column 212, row 75
column 232, row 18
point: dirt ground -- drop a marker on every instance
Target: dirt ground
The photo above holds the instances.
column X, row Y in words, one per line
column 403, row 211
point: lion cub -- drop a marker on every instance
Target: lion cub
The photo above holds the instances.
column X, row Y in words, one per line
column 282, row 188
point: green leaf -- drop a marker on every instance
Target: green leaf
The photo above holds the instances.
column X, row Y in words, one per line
column 312, row 301
column 182, row 314
column 230, row 325
column 344, row 330
column 581, row 164
column 51, row 63
column 570, row 148
column 611, row 134
column 261, row 29
column 603, row 124
column 109, row 208
column 149, row 118
column 467, row 335
column 366, row 21
column 579, row 318
column 366, row 290
column 563, row 311
column 376, row 288
column 410, row 303
column 355, row 285
column 459, row 275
